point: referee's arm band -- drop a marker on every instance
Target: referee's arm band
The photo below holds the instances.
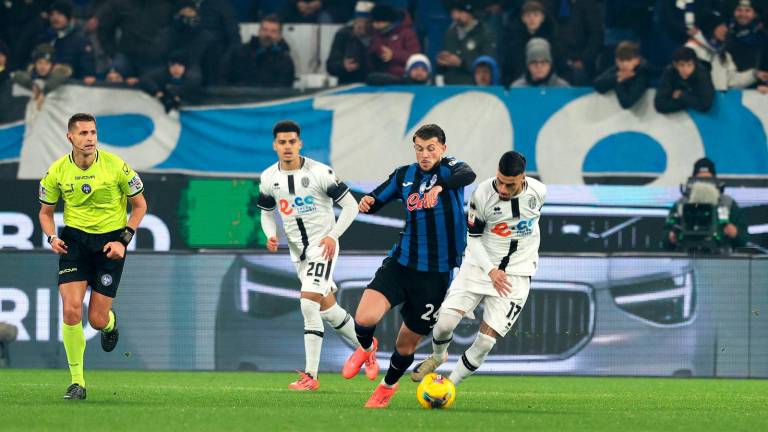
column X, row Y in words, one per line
column 45, row 202
column 138, row 192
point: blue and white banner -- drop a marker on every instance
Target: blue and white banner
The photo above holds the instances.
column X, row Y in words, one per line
column 364, row 132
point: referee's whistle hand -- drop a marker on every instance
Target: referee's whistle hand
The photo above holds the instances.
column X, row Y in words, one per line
column 114, row 250
column 365, row 204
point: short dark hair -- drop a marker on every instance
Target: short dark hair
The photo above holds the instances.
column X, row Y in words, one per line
column 429, row 131
column 627, row 50
column 684, row 54
column 512, row 163
column 273, row 18
column 286, row 126
column 80, row 117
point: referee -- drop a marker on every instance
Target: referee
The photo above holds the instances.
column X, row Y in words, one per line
column 417, row 271
column 95, row 186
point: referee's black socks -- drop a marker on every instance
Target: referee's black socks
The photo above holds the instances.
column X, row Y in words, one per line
column 364, row 335
column 398, row 364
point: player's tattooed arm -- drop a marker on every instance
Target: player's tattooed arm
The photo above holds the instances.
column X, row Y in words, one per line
column 461, row 175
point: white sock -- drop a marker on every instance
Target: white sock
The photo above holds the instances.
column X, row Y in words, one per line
column 313, row 335
column 473, row 357
column 342, row 322
column 442, row 333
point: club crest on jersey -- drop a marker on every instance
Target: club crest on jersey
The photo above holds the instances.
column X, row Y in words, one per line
column 532, row 202
column 86, row 188
column 305, row 181
column 428, row 185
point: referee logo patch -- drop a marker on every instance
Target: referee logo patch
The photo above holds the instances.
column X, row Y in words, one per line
column 106, row 279
column 86, row 188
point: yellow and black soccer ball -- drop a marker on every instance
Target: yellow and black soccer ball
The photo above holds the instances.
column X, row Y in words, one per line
column 436, row 391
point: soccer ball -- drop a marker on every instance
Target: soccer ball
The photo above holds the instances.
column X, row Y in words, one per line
column 436, row 391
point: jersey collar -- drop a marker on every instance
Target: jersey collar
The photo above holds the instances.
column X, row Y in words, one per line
column 72, row 161
column 303, row 161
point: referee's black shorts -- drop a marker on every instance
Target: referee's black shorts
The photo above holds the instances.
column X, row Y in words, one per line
column 86, row 261
column 420, row 292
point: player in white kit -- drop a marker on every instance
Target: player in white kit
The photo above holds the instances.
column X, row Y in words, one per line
column 501, row 258
column 304, row 191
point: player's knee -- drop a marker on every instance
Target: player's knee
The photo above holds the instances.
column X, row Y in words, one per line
column 73, row 313
column 98, row 320
column 443, row 328
column 311, row 312
column 365, row 318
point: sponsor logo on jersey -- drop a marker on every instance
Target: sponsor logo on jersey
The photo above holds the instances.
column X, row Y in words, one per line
column 276, row 186
column 302, row 205
column 86, row 188
column 126, row 170
column 496, row 211
column 521, row 229
column 70, row 189
column 417, row 202
column 85, row 177
column 68, row 270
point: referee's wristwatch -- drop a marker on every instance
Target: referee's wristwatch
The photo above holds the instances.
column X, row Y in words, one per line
column 51, row 238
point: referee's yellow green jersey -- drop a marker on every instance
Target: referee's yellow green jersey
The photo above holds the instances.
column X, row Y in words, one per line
column 95, row 199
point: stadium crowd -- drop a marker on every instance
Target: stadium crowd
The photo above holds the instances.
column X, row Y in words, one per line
column 171, row 49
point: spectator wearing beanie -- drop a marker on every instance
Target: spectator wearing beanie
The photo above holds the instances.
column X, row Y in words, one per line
column 418, row 70
column 747, row 37
column 540, row 72
column 709, row 45
column 485, row 72
column 533, row 22
column 629, row 77
column 42, row 76
column 73, row 48
column 348, row 58
column 685, row 84
column 188, row 37
column 392, row 43
column 466, row 39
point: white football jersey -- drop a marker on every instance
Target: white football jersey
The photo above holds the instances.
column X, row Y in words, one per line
column 304, row 198
column 509, row 229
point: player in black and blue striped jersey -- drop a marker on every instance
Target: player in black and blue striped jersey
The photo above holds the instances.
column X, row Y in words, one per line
column 417, row 271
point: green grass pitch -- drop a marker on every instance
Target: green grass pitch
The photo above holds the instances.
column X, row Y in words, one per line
column 229, row 401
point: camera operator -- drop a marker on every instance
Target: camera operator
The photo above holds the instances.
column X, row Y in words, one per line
column 731, row 230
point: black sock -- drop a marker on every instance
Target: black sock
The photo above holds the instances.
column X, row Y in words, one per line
column 364, row 335
column 398, row 364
